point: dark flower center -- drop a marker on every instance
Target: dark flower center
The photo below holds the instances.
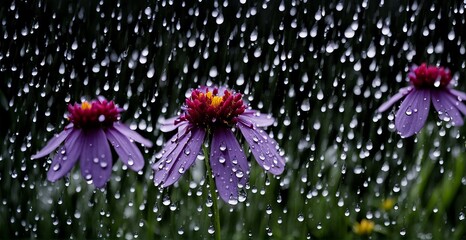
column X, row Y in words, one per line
column 207, row 108
column 96, row 114
column 430, row 77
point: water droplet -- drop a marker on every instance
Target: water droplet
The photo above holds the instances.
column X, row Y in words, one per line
column 56, row 167
column 181, row 170
column 268, row 210
column 223, row 147
column 166, row 201
column 233, row 201
column 300, row 217
column 305, row 105
column 402, row 232
column 221, row 159
column 103, row 164
column 211, row 230
column 409, row 111
column 130, row 162
column 187, row 151
column 101, row 118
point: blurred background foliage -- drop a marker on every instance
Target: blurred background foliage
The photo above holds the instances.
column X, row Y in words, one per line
column 321, row 68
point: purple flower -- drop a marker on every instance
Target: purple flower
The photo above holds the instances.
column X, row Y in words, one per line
column 92, row 126
column 215, row 113
column 428, row 83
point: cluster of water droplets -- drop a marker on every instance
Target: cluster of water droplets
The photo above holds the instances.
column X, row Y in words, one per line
column 321, row 69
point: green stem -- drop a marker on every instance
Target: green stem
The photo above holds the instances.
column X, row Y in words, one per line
column 213, row 194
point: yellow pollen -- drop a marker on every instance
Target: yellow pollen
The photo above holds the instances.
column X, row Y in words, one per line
column 86, row 105
column 216, row 101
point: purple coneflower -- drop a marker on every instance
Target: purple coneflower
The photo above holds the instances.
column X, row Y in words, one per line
column 86, row 138
column 428, row 83
column 215, row 113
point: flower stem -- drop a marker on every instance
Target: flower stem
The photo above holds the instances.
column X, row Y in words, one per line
column 213, row 194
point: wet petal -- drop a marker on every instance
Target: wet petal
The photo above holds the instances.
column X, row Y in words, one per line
column 460, row 95
column 256, row 118
column 413, row 112
column 460, row 105
column 446, row 109
column 264, row 149
column 96, row 158
column 395, row 98
column 168, row 125
column 125, row 130
column 177, row 156
column 126, row 150
column 66, row 157
column 229, row 164
column 52, row 144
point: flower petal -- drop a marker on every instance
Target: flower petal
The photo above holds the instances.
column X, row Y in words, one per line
column 460, row 95
column 264, row 149
column 67, row 156
column 125, row 130
column 229, row 164
column 413, row 112
column 177, row 156
column 455, row 100
column 168, row 125
column 96, row 158
column 395, row 98
column 52, row 144
column 446, row 109
column 256, row 118
column 126, row 150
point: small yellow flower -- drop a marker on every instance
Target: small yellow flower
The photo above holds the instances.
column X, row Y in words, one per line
column 387, row 204
column 365, row 227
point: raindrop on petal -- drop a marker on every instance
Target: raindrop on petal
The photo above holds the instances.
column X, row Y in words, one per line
column 223, row 147
column 130, row 162
column 409, row 111
column 103, row 164
column 221, row 160
column 56, row 167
